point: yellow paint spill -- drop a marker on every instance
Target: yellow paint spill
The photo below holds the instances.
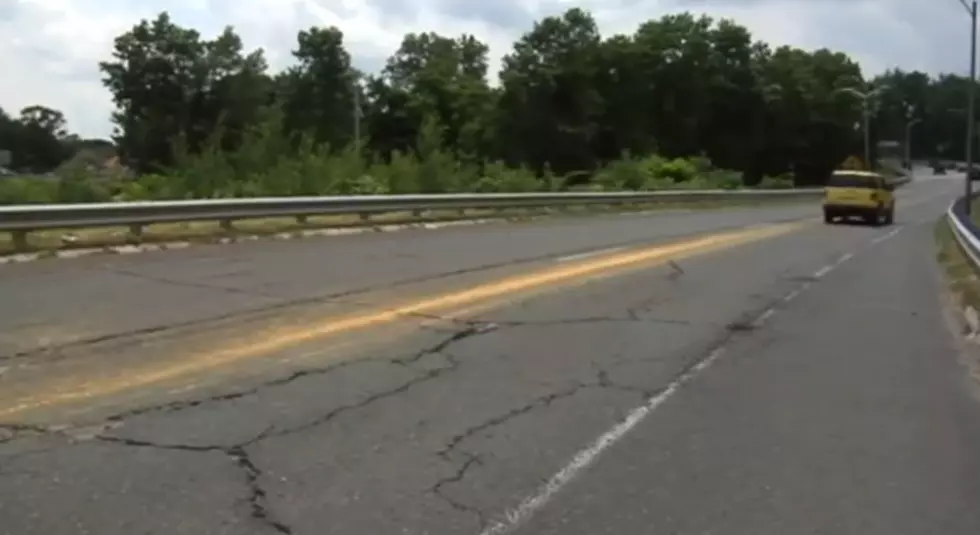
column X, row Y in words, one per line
column 270, row 344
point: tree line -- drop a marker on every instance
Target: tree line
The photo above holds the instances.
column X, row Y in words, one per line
column 680, row 99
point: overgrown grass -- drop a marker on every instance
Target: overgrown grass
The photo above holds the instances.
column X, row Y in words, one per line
column 268, row 164
column 960, row 274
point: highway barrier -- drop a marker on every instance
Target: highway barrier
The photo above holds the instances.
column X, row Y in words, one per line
column 22, row 219
column 966, row 232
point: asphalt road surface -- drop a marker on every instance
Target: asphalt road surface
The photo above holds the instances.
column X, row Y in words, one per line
column 744, row 371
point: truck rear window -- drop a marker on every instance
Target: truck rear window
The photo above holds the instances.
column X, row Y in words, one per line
column 852, row 181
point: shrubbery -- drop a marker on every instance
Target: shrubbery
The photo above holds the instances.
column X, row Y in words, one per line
column 344, row 173
column 267, row 164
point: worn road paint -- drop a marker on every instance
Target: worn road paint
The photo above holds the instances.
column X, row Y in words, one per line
column 584, row 458
column 589, row 254
column 74, row 391
column 527, row 507
column 887, row 236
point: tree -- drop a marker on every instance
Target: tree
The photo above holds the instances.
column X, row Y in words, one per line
column 550, row 105
column 176, row 92
column 319, row 93
column 51, row 122
column 432, row 76
column 570, row 101
column 36, row 139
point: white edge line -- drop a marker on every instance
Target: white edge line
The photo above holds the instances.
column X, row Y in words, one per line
column 584, row 458
column 587, row 456
column 589, row 254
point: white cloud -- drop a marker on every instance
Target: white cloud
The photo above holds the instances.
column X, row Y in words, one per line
column 50, row 49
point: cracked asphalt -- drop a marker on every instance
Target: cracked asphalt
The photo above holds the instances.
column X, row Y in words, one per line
column 811, row 381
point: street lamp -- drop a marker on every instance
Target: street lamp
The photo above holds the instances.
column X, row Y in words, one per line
column 971, row 9
column 866, row 98
column 909, row 123
column 908, row 141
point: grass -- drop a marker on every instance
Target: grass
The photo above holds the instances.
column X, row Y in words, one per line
column 961, row 276
column 211, row 231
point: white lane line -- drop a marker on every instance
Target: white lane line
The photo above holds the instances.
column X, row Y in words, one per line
column 796, row 293
column 823, row 271
column 766, row 314
column 887, row 236
column 584, row 458
column 589, row 254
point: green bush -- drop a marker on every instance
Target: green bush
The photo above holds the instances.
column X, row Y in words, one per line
column 28, row 190
column 624, row 174
column 268, row 164
column 679, row 170
column 776, row 182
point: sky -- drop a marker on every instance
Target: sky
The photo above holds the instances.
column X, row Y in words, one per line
column 50, row 49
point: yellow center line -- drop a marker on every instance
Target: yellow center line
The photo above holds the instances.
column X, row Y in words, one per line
column 271, row 343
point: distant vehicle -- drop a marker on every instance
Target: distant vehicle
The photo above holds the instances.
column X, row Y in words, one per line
column 861, row 194
column 939, row 170
column 974, row 174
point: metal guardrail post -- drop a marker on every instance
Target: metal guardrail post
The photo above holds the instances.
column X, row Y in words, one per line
column 19, row 238
column 135, row 233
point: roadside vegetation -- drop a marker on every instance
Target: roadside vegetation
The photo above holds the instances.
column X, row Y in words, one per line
column 960, row 274
column 683, row 102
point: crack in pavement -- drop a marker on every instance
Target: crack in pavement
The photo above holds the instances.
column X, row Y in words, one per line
column 536, row 403
column 184, row 284
column 12, row 431
column 260, row 510
column 179, row 405
column 604, row 381
column 473, row 459
column 334, row 296
column 460, row 474
column 311, row 300
column 239, row 454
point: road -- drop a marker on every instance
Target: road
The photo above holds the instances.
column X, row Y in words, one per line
column 734, row 371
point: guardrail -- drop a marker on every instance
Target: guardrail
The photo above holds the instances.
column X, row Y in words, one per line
column 966, row 232
column 22, row 219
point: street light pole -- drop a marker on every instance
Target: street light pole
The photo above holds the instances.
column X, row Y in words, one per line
column 971, row 8
column 909, row 123
column 866, row 98
column 867, row 134
column 908, row 141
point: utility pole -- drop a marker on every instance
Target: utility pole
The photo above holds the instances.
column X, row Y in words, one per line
column 971, row 9
column 867, row 134
column 909, row 123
